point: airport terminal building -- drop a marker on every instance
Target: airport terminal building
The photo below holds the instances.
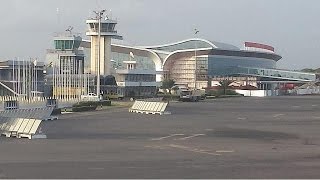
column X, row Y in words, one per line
column 192, row 62
column 195, row 62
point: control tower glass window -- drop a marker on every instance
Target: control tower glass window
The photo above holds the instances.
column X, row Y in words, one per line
column 107, row 27
column 64, row 44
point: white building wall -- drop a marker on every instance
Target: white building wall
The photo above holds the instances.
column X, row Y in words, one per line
column 105, row 55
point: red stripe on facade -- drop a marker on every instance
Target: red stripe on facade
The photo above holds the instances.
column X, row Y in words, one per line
column 258, row 45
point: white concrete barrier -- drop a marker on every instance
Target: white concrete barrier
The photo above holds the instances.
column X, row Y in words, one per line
column 30, row 129
column 19, row 127
column 149, row 107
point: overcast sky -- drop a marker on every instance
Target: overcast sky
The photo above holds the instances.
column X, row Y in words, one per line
column 291, row 26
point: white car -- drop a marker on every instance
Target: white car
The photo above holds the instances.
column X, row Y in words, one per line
column 90, row 97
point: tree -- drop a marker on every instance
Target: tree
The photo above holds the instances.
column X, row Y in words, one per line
column 168, row 84
column 224, row 85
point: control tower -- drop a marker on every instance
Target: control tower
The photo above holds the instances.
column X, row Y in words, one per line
column 106, row 33
column 66, row 50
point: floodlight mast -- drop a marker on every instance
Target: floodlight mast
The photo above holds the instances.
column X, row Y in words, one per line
column 196, row 31
column 99, row 15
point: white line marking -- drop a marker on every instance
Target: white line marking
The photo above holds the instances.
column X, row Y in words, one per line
column 96, row 168
column 225, row 151
column 155, row 147
column 189, row 137
column 209, row 129
column 165, row 137
column 66, row 112
column 296, row 106
column 193, row 150
column 314, row 105
column 277, row 115
column 242, row 118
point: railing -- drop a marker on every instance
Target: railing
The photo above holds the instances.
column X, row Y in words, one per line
column 103, row 30
column 271, row 73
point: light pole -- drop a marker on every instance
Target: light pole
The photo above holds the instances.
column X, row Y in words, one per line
column 99, row 15
column 196, row 31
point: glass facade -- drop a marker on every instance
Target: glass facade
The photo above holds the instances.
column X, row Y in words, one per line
column 219, row 66
column 226, row 66
column 144, row 63
column 136, row 77
column 271, row 73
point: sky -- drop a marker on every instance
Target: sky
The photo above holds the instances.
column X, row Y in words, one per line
column 291, row 26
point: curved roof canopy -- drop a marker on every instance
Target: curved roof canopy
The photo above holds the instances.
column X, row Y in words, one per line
column 194, row 43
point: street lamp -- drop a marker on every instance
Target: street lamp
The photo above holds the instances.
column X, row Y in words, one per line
column 196, row 31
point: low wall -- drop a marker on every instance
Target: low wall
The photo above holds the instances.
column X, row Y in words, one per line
column 257, row 93
column 308, row 91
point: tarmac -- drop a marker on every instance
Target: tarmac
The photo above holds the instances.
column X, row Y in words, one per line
column 272, row 137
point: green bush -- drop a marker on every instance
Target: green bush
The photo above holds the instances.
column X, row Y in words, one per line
column 84, row 108
column 89, row 105
column 220, row 92
column 167, row 97
column 105, row 103
column 93, row 103
column 86, row 103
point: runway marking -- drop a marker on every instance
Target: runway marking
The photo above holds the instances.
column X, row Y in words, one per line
column 201, row 151
column 166, row 137
column 155, row 147
column 314, row 105
column 66, row 112
column 96, row 168
column 242, row 118
column 209, row 129
column 225, row 151
column 190, row 149
column 189, row 137
column 296, row 106
column 277, row 115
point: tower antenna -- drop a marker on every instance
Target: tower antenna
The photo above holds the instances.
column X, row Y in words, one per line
column 70, row 28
